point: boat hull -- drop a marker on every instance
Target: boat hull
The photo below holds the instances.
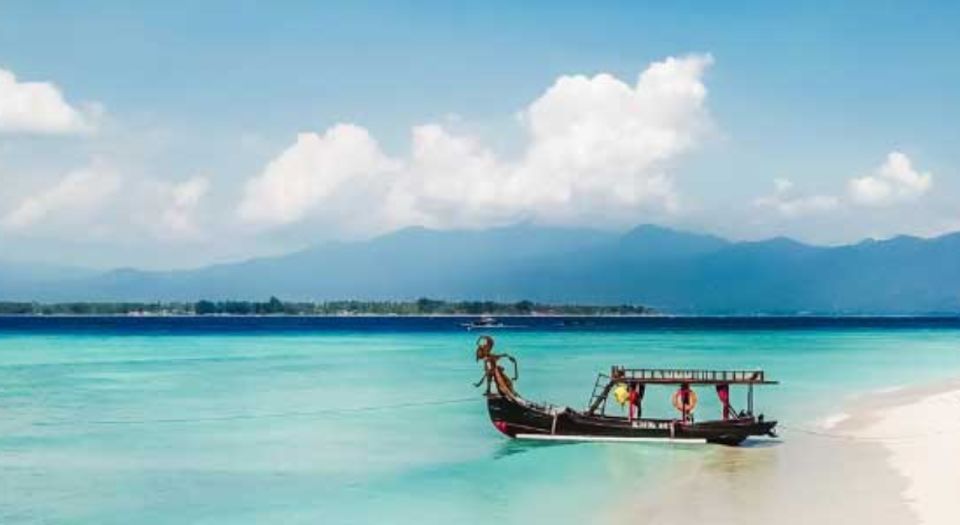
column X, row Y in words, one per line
column 518, row 418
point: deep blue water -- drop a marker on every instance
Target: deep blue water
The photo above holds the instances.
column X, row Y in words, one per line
column 284, row 324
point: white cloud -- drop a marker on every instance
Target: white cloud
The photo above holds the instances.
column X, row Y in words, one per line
column 39, row 107
column 99, row 203
column 598, row 150
column 894, row 181
column 78, row 194
column 178, row 218
column 311, row 171
column 788, row 203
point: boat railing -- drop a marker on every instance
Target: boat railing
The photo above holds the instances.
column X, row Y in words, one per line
column 694, row 376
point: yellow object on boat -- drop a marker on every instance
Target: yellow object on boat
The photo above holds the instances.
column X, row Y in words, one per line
column 621, row 393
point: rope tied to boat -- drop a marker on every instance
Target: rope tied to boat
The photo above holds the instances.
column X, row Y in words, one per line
column 254, row 416
column 866, row 438
column 952, row 430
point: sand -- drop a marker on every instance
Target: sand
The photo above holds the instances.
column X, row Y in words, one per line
column 919, row 428
column 891, row 458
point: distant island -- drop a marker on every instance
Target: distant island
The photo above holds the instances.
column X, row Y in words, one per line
column 275, row 306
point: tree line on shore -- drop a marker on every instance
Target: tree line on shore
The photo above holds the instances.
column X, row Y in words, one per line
column 275, row 306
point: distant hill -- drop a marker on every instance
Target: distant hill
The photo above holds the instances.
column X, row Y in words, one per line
column 20, row 279
column 672, row 271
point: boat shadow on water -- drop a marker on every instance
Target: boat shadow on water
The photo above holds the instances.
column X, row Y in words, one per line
column 514, row 447
column 762, row 443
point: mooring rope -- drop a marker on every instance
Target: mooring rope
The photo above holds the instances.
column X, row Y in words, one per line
column 875, row 439
column 415, row 404
column 862, row 438
column 266, row 415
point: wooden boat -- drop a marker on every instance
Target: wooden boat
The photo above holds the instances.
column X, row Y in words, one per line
column 518, row 418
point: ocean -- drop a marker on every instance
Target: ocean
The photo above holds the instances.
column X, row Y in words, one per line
column 375, row 420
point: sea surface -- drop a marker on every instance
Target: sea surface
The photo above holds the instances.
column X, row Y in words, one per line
column 375, row 420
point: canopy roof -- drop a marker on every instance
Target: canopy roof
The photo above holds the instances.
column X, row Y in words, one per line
column 676, row 376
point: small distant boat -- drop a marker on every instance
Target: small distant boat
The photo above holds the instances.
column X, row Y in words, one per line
column 518, row 418
column 484, row 322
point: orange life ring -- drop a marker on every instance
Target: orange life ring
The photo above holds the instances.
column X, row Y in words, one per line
column 691, row 401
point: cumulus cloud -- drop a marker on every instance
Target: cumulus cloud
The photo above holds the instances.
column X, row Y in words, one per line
column 894, row 181
column 178, row 218
column 39, row 107
column 310, row 171
column 598, row 149
column 788, row 203
column 98, row 202
column 76, row 195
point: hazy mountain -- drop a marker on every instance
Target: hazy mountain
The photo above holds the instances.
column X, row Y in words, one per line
column 670, row 270
column 20, row 279
column 408, row 263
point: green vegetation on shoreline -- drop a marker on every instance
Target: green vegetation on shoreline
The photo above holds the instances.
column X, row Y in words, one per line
column 275, row 306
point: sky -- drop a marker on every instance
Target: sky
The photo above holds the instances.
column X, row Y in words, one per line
column 178, row 134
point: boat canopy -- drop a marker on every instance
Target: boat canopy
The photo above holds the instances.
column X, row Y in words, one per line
column 638, row 378
column 680, row 376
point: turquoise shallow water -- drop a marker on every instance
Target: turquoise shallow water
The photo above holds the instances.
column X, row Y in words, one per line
column 105, row 427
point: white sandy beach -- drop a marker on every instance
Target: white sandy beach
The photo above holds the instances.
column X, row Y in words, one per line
column 891, row 458
column 919, row 429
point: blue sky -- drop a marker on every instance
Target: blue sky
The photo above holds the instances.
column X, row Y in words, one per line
column 186, row 107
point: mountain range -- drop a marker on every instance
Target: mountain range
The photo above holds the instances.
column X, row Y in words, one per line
column 671, row 271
